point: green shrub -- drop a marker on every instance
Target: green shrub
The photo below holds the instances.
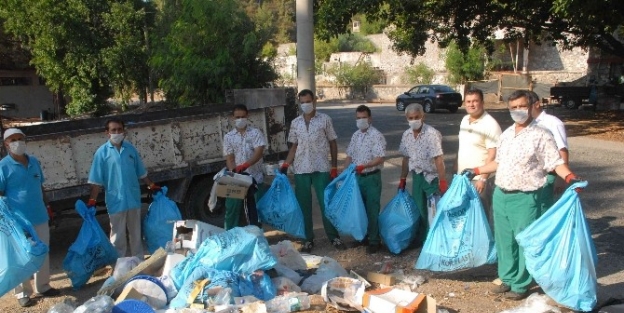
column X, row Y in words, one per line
column 418, row 74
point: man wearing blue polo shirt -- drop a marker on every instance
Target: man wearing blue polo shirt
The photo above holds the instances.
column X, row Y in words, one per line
column 21, row 182
column 117, row 167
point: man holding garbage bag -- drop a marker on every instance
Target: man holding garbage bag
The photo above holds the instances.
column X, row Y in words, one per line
column 21, row 180
column 478, row 138
column 117, row 167
column 525, row 155
column 367, row 150
column 312, row 138
column 421, row 146
column 243, row 148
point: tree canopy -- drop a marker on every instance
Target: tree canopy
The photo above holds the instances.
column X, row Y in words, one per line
column 571, row 23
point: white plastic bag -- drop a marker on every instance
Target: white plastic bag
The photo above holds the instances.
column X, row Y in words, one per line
column 535, row 303
column 288, row 273
column 284, row 285
column 288, row 256
column 212, row 201
column 328, row 269
column 125, row 265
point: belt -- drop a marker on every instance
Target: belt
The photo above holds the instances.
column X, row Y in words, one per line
column 369, row 173
column 510, row 191
column 552, row 173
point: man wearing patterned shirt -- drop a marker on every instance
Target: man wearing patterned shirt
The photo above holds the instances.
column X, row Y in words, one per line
column 527, row 152
column 243, row 148
column 367, row 150
column 478, row 138
column 556, row 127
column 421, row 146
column 312, row 138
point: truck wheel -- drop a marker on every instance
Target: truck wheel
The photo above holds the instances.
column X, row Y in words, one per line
column 196, row 205
column 570, row 103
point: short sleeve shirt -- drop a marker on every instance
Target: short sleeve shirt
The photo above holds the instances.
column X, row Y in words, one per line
column 422, row 150
column 524, row 159
column 556, row 127
column 367, row 146
column 118, row 172
column 242, row 146
column 312, row 141
column 475, row 139
column 21, row 186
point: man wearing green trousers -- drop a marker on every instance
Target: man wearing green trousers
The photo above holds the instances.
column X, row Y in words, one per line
column 421, row 146
column 527, row 152
column 243, row 148
column 312, row 138
column 367, row 150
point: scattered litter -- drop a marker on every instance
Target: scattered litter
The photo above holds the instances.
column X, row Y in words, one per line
column 288, row 256
column 312, row 261
column 288, row 273
column 383, row 279
column 344, row 293
column 125, row 265
column 62, row 308
column 327, row 270
column 386, row 267
column 535, row 303
column 443, row 311
column 285, row 285
column 132, row 306
column 451, row 294
column 292, row 302
column 390, row 300
column 254, row 307
column 97, row 304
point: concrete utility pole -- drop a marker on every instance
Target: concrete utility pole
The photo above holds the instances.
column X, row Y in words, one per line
column 305, row 45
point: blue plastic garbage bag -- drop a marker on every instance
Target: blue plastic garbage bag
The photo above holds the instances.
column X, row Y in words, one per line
column 241, row 250
column 158, row 223
column 560, row 253
column 280, row 209
column 398, row 222
column 21, row 250
column 91, row 250
column 460, row 236
column 344, row 207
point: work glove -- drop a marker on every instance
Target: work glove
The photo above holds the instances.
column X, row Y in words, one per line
column 333, row 173
column 571, row 179
column 241, row 168
column 284, row 168
column 471, row 172
column 402, row 184
column 91, row 203
column 443, row 184
column 359, row 169
column 154, row 188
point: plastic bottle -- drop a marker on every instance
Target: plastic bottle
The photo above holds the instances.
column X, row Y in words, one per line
column 97, row 304
column 292, row 302
column 61, row 308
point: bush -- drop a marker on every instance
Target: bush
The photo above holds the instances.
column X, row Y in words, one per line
column 359, row 78
column 418, row 74
column 465, row 66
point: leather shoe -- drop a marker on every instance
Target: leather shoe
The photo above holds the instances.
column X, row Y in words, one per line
column 52, row 292
column 502, row 288
column 512, row 295
column 25, row 302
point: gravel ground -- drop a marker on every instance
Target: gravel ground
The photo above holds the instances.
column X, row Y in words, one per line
column 597, row 160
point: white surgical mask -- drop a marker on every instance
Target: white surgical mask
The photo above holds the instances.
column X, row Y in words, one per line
column 519, row 116
column 116, row 138
column 307, row 107
column 17, row 147
column 240, row 123
column 415, row 124
column 362, row 123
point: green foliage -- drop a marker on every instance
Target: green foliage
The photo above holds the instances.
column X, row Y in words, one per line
column 268, row 51
column 208, row 47
column 359, row 77
column 89, row 49
column 342, row 43
column 292, row 50
column 419, row 74
column 465, row 66
column 370, row 26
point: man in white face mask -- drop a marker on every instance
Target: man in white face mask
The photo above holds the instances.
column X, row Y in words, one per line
column 421, row 146
column 243, row 148
column 367, row 150
column 21, row 180
column 117, row 167
column 525, row 155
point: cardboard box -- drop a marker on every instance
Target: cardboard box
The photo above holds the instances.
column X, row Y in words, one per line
column 390, row 300
column 233, row 185
column 189, row 234
column 379, row 278
column 130, row 293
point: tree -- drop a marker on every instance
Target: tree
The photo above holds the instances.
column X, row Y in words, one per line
column 419, row 74
column 206, row 47
column 465, row 66
column 359, row 78
column 89, row 49
column 571, row 23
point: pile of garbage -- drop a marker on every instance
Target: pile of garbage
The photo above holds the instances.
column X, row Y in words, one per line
column 207, row 269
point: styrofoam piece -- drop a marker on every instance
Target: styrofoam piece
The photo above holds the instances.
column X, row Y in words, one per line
column 152, row 288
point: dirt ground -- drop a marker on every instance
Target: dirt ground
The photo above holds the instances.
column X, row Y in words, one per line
column 463, row 291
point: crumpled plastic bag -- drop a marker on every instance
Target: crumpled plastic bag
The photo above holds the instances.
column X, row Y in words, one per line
column 97, row 304
column 344, row 293
column 125, row 265
column 288, row 256
column 535, row 303
column 284, row 285
column 328, row 269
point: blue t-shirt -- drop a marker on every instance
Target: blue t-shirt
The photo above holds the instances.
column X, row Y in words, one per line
column 118, row 172
column 21, row 186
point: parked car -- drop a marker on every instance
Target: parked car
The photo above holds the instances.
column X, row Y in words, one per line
column 431, row 97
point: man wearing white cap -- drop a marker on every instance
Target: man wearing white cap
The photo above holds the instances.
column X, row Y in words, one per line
column 21, row 182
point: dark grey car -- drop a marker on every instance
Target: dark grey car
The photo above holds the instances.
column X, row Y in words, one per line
column 431, row 97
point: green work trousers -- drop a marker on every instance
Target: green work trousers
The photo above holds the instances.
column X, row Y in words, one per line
column 370, row 188
column 303, row 192
column 513, row 212
column 234, row 207
column 548, row 193
column 421, row 189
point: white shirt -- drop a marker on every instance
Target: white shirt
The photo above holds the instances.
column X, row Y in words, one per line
column 312, row 141
column 422, row 150
column 242, row 146
column 524, row 159
column 556, row 127
column 475, row 138
column 366, row 146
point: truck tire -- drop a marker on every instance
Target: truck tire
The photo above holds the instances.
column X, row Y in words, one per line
column 571, row 103
column 196, row 204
